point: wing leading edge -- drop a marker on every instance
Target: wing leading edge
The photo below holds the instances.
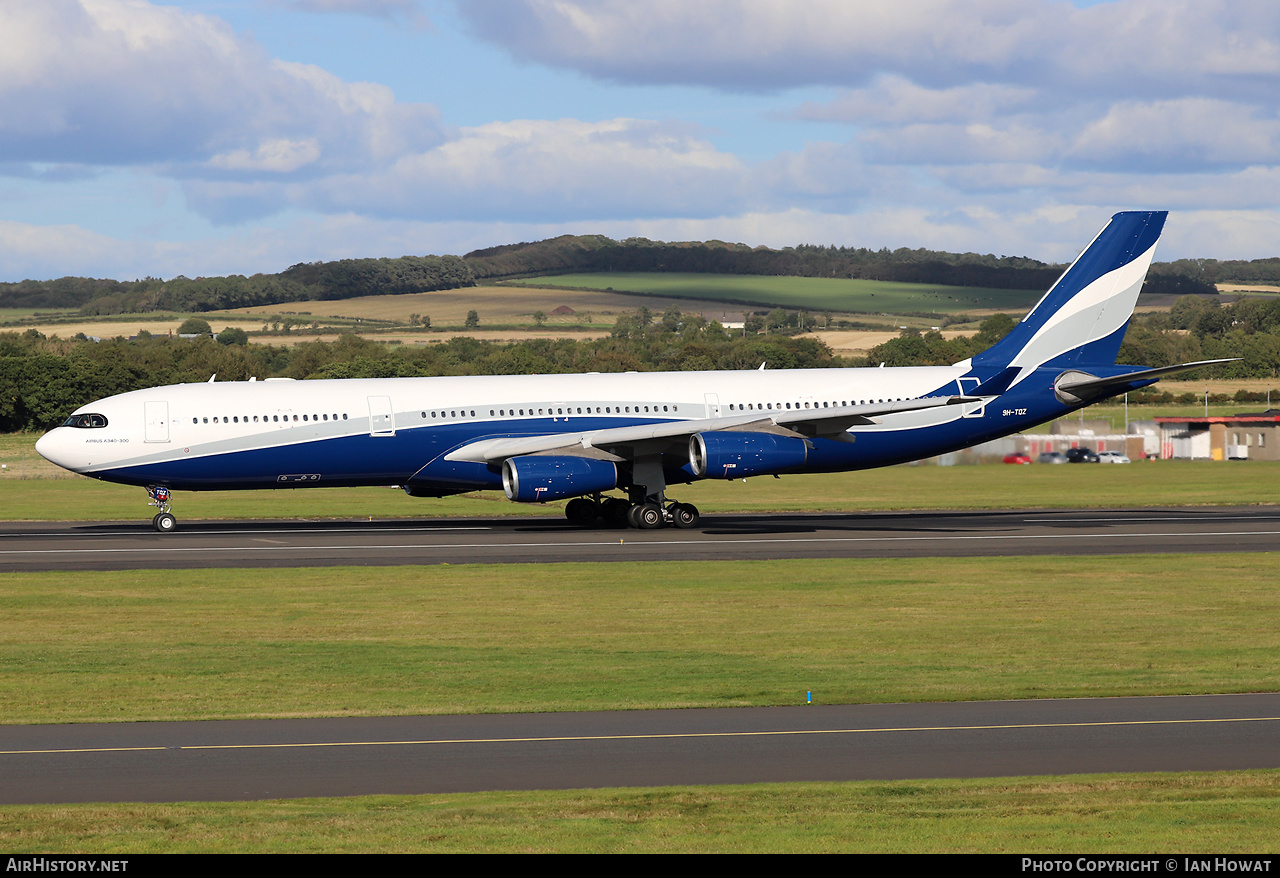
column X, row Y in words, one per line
column 622, row 442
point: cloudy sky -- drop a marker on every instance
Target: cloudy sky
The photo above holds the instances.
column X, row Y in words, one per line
column 205, row 137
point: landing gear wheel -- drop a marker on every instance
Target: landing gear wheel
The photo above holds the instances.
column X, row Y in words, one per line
column 581, row 511
column 164, row 523
column 684, row 515
column 646, row 516
column 614, row 511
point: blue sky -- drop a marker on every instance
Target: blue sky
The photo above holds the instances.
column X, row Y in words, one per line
column 238, row 136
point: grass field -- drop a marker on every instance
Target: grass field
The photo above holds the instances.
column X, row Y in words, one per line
column 1220, row 812
column 7, row 314
column 811, row 293
column 41, row 496
column 167, row 644
column 215, row 644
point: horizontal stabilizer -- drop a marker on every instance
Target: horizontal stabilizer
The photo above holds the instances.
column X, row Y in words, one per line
column 1075, row 386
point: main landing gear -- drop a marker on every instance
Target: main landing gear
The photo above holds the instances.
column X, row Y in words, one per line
column 653, row 512
column 163, row 521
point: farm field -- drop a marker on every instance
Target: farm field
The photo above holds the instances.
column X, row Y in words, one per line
column 812, row 293
column 846, row 343
column 1224, row 385
column 440, row 336
column 494, row 304
column 1246, row 288
column 130, row 326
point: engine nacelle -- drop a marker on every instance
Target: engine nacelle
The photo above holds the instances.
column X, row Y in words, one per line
column 538, row 478
column 726, row 454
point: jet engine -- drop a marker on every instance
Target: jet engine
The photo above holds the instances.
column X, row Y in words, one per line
column 538, row 478
column 726, row 454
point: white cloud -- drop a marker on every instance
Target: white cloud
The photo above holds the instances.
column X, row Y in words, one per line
column 1014, row 125
column 1186, row 133
column 126, row 82
column 1144, row 47
column 40, row 252
column 374, row 8
column 281, row 156
column 895, row 99
column 974, row 142
column 522, row 169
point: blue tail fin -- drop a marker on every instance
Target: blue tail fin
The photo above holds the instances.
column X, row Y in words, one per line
column 1082, row 319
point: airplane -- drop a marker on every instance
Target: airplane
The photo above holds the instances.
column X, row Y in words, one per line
column 550, row 437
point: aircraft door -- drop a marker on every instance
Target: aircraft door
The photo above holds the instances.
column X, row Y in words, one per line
column 382, row 419
column 156, row 418
column 713, row 404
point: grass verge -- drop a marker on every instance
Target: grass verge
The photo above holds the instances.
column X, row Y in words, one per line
column 1171, row 813
column 210, row 644
column 42, row 497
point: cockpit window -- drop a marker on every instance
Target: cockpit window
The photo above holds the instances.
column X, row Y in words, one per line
column 86, row 421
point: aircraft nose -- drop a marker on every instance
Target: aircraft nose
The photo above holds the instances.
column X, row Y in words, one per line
column 44, row 447
column 52, row 446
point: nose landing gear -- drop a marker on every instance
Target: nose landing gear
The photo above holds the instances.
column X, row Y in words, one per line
column 163, row 521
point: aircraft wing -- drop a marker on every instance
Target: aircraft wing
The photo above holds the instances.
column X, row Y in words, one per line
column 621, row 443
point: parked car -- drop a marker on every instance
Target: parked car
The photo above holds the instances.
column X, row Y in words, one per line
column 1082, row 455
column 1017, row 458
column 1052, row 457
column 1112, row 457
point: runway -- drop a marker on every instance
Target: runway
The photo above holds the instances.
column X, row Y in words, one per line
column 199, row 544
column 230, row 761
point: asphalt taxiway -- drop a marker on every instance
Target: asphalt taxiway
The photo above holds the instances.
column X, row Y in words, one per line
column 266, row 759
column 134, row 545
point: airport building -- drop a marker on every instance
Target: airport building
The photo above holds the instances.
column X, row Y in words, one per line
column 1233, row 437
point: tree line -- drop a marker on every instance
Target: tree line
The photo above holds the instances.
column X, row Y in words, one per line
column 353, row 278
column 1194, row 328
column 42, row 380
